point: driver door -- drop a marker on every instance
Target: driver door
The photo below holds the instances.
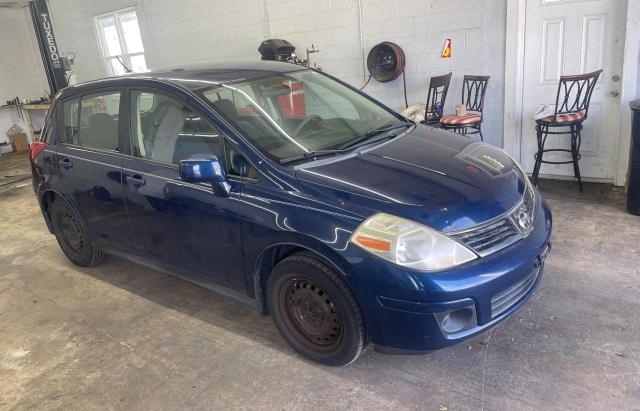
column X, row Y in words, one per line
column 175, row 222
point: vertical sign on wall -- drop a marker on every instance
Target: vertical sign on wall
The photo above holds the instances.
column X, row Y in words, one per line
column 48, row 47
column 446, row 51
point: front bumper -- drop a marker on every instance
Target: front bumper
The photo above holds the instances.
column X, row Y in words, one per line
column 404, row 309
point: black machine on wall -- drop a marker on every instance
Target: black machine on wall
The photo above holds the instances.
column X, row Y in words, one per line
column 283, row 50
column 277, row 49
column 55, row 65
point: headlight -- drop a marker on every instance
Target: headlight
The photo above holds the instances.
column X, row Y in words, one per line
column 410, row 244
column 524, row 215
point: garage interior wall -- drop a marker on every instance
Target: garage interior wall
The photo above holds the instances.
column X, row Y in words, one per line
column 21, row 70
column 196, row 31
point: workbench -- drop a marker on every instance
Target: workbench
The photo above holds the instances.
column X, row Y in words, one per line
column 28, row 116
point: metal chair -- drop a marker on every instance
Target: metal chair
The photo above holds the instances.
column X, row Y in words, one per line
column 438, row 88
column 473, row 92
column 572, row 107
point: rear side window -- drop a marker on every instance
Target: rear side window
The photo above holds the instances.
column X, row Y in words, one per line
column 164, row 129
column 98, row 125
column 71, row 110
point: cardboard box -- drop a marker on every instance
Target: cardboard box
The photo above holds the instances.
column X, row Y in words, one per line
column 19, row 142
column 461, row 110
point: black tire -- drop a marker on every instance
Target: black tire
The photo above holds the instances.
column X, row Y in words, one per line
column 72, row 235
column 314, row 310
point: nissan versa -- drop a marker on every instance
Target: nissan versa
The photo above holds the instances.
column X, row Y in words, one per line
column 285, row 187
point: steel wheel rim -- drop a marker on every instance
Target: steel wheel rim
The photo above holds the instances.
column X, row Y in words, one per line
column 71, row 231
column 310, row 313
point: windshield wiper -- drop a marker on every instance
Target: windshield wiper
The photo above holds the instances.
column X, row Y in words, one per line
column 371, row 133
column 310, row 154
column 343, row 148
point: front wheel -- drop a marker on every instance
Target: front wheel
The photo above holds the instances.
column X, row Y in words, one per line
column 315, row 311
column 72, row 235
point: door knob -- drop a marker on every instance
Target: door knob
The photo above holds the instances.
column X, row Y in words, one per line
column 66, row 163
column 135, row 180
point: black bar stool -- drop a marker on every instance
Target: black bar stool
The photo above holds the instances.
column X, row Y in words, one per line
column 473, row 91
column 572, row 107
column 438, row 88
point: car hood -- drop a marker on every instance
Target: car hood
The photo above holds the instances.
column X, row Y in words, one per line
column 441, row 179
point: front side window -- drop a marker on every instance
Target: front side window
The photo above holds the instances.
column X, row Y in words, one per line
column 164, row 129
column 290, row 114
column 120, row 42
column 98, row 123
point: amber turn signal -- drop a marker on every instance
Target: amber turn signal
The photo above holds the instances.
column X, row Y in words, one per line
column 373, row 243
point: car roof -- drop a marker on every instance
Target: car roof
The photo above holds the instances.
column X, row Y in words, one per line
column 196, row 77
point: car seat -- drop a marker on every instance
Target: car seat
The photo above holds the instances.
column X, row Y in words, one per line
column 102, row 132
column 166, row 126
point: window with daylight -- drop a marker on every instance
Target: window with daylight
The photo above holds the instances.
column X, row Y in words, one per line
column 120, row 42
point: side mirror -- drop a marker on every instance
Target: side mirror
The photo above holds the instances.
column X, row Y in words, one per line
column 205, row 168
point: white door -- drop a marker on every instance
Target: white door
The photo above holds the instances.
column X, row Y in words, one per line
column 574, row 37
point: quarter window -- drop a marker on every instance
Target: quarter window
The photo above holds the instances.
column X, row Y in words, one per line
column 71, row 117
column 50, row 129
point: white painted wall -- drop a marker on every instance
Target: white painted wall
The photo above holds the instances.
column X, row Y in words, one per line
column 200, row 31
column 21, row 71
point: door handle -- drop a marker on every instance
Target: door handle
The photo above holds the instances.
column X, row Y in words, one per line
column 135, row 180
column 614, row 93
column 66, row 163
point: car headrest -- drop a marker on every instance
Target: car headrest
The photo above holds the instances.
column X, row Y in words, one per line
column 226, row 108
column 101, row 123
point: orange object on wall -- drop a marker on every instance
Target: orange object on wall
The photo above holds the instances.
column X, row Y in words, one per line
column 446, row 52
column 292, row 104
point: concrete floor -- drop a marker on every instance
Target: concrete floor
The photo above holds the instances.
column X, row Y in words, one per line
column 120, row 336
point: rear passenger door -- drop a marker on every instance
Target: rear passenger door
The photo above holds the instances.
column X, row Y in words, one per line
column 89, row 163
column 176, row 222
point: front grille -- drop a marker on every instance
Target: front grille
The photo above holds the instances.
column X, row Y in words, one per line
column 495, row 235
column 489, row 238
column 507, row 298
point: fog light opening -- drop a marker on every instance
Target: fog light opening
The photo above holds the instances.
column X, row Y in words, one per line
column 457, row 320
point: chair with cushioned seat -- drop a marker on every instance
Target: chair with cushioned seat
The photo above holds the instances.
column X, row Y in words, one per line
column 571, row 110
column 437, row 96
column 473, row 92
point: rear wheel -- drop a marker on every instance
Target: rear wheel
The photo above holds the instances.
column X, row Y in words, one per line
column 315, row 311
column 72, row 236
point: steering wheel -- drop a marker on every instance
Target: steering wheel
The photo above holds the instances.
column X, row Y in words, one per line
column 305, row 123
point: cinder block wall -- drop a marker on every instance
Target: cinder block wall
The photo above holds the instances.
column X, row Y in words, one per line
column 200, row 31
column 21, row 70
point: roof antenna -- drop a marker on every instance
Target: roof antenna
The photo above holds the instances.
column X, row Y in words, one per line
column 127, row 69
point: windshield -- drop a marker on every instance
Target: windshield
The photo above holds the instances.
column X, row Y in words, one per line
column 290, row 114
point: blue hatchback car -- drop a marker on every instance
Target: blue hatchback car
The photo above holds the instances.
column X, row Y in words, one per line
column 287, row 188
